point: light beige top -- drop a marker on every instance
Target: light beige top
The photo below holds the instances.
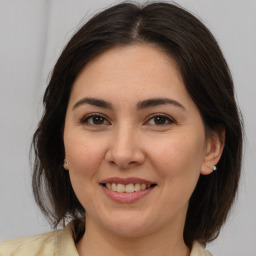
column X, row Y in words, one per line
column 58, row 243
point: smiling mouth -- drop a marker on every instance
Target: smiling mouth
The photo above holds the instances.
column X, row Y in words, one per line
column 129, row 188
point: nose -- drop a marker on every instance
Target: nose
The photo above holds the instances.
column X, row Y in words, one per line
column 125, row 150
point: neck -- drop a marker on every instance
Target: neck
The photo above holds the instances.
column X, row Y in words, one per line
column 101, row 242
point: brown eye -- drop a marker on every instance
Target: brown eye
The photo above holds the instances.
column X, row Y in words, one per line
column 98, row 120
column 160, row 120
column 94, row 119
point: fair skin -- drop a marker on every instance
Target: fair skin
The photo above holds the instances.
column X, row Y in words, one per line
column 130, row 120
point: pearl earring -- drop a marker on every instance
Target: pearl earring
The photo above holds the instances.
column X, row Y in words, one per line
column 65, row 162
column 214, row 168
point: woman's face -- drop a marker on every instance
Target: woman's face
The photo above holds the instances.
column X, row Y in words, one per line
column 135, row 142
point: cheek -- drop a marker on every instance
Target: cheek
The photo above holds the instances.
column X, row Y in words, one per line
column 178, row 156
column 84, row 159
column 84, row 155
column 178, row 162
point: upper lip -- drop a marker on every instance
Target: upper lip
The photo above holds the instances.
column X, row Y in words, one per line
column 125, row 181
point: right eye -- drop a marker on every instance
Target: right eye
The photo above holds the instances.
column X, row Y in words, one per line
column 94, row 120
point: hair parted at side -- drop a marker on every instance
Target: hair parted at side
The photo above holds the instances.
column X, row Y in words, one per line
column 207, row 79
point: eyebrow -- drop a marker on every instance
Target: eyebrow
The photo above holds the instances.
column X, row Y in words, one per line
column 140, row 105
column 158, row 101
column 94, row 102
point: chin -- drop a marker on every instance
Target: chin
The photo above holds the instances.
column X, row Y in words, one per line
column 129, row 225
column 129, row 231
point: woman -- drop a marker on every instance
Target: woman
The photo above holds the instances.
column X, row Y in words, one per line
column 139, row 147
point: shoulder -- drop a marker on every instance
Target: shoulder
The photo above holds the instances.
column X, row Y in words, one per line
column 50, row 243
column 198, row 250
column 32, row 245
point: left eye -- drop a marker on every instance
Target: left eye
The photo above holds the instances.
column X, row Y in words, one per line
column 94, row 120
column 160, row 120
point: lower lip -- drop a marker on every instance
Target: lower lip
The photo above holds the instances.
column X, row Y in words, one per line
column 126, row 198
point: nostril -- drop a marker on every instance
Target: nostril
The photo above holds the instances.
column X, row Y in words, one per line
column 132, row 162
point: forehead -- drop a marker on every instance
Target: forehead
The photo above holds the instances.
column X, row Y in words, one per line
column 132, row 71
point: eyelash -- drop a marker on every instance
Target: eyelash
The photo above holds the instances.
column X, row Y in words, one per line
column 86, row 119
column 166, row 117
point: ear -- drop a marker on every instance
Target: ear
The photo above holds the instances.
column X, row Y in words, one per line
column 65, row 164
column 213, row 149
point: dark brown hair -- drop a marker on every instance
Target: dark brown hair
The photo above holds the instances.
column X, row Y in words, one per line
column 207, row 79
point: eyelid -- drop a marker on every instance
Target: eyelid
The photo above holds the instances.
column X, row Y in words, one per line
column 85, row 118
column 170, row 119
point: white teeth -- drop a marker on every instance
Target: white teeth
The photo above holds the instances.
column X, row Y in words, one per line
column 137, row 187
column 120, row 188
column 143, row 186
column 114, row 187
column 129, row 188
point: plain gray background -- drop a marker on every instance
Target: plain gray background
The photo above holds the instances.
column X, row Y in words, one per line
column 32, row 35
